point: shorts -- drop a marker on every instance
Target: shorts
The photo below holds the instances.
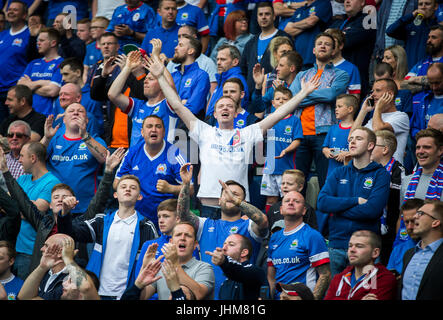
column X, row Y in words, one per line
column 271, row 185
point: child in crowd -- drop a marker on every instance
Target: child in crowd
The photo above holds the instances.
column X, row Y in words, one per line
column 335, row 146
column 282, row 141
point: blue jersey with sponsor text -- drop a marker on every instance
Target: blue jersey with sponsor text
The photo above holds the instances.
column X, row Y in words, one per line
column 163, row 166
column 72, row 163
column 40, row 69
column 296, row 253
column 285, row 131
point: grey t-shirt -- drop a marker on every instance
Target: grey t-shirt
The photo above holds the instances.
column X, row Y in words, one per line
column 200, row 271
column 422, row 187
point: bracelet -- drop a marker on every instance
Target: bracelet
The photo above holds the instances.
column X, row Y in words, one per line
column 88, row 137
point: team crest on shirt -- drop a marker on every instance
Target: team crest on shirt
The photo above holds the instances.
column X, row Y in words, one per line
column 12, row 296
column 188, row 82
column 294, row 245
column 233, row 230
column 403, row 234
column 161, row 168
column 368, row 183
column 185, row 16
column 240, row 122
column 82, row 146
column 157, row 108
column 397, row 101
column 51, row 66
column 136, row 17
column 17, row 42
column 288, row 130
column 312, row 11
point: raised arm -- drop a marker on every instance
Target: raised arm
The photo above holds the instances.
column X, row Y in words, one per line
column 98, row 151
column 158, row 70
column 259, row 219
column 289, row 107
column 377, row 121
column 183, row 202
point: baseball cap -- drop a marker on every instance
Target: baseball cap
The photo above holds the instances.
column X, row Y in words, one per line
column 295, row 289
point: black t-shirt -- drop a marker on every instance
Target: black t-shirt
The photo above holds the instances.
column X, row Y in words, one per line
column 35, row 120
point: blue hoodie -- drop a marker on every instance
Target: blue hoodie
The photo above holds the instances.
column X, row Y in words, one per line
column 339, row 198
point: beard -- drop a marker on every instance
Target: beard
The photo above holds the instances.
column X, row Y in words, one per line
column 432, row 50
column 178, row 60
column 231, row 210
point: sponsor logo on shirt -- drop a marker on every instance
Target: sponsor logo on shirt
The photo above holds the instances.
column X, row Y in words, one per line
column 288, row 130
column 368, row 183
column 233, row 230
column 285, row 260
column 275, row 246
column 136, row 17
column 161, row 168
column 57, row 146
column 211, row 229
column 17, row 42
column 294, row 244
column 343, row 181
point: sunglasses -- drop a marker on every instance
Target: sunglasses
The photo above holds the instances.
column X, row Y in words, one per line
column 17, row 134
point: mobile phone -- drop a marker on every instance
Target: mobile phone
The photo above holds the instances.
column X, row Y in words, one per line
column 371, row 102
column 264, row 293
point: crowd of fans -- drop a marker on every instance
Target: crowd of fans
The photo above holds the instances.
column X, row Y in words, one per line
column 221, row 150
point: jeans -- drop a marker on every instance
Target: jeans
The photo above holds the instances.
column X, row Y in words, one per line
column 310, row 149
column 21, row 265
column 338, row 260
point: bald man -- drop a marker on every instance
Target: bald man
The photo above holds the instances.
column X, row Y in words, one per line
column 75, row 151
column 72, row 93
column 296, row 249
column 46, row 281
column 436, row 122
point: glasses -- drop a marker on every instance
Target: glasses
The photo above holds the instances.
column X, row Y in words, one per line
column 420, row 213
column 17, row 134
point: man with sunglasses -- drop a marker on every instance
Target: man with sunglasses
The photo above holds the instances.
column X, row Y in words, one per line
column 421, row 276
column 18, row 135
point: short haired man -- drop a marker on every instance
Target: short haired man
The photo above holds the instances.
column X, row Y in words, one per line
column 436, row 122
column 354, row 196
column 241, row 140
column 316, row 111
column 131, row 21
column 383, row 152
column 405, row 238
column 414, row 35
column 43, row 75
column 424, row 182
column 363, row 279
column 83, row 30
column 232, row 206
column 243, row 279
column 167, row 32
column 297, row 248
column 75, row 150
column 13, row 50
column 19, row 133
column 19, row 102
column 421, row 276
column 228, row 61
column 196, row 275
column 431, row 102
column 93, row 53
column 257, row 49
column 385, row 116
column 117, row 238
column 150, row 161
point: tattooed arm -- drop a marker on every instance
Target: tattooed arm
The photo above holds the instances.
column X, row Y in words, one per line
column 183, row 201
column 96, row 149
column 324, row 277
column 259, row 219
column 78, row 277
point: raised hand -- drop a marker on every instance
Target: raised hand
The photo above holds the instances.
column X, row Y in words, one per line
column 156, row 47
column 170, row 274
column 121, row 60
column 384, row 101
column 154, row 65
column 186, row 173
column 51, row 256
column 217, row 256
column 113, row 160
column 3, row 164
column 108, row 67
column 49, row 130
column 170, row 252
column 258, row 74
column 68, row 251
column 148, row 273
column 69, row 203
column 134, row 60
column 150, row 254
column 229, row 196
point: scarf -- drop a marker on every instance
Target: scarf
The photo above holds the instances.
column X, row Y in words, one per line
column 435, row 186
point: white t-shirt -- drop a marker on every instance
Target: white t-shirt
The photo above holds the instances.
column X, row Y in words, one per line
column 114, row 272
column 105, row 8
column 224, row 155
column 400, row 123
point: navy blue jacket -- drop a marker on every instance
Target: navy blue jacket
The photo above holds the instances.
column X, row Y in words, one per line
column 339, row 198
